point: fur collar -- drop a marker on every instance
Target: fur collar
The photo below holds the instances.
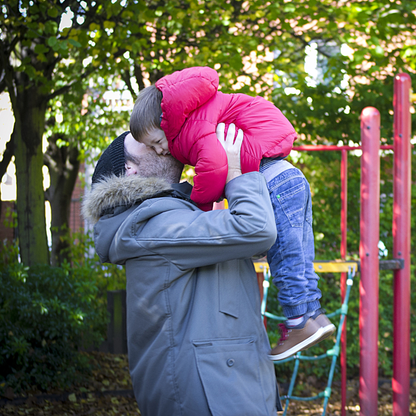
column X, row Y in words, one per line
column 120, row 191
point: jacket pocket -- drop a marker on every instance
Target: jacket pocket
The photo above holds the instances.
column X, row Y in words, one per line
column 229, row 371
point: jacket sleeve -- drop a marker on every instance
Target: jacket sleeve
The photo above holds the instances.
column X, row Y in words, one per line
column 211, row 170
column 193, row 239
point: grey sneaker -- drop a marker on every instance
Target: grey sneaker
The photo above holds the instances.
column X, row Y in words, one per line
column 323, row 321
column 296, row 338
column 328, row 328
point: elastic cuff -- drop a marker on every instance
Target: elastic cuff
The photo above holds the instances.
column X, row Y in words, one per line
column 313, row 306
column 301, row 309
column 294, row 311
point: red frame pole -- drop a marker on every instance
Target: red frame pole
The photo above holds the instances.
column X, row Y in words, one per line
column 369, row 262
column 401, row 244
column 343, row 252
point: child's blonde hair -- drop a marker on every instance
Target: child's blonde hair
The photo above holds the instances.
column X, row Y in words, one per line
column 146, row 114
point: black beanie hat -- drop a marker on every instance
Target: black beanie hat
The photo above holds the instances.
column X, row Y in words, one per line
column 112, row 161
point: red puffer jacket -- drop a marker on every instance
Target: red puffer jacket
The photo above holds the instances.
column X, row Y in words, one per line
column 192, row 108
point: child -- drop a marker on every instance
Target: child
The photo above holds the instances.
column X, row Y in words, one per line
column 179, row 115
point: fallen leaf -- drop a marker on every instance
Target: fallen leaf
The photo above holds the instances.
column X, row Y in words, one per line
column 72, row 398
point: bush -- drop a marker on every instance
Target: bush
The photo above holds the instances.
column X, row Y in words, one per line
column 46, row 315
column 83, row 255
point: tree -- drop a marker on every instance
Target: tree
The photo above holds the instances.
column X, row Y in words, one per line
column 30, row 56
column 52, row 49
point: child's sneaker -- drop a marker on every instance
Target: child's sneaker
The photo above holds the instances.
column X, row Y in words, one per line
column 323, row 321
column 296, row 338
column 328, row 328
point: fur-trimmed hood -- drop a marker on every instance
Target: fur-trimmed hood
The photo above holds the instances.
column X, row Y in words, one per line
column 115, row 203
column 115, row 194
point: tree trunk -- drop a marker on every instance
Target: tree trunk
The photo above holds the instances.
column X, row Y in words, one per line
column 63, row 165
column 29, row 112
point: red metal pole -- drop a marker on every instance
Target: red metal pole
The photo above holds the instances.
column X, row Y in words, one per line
column 401, row 244
column 369, row 282
column 344, row 193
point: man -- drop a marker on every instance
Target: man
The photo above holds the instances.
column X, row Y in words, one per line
column 196, row 341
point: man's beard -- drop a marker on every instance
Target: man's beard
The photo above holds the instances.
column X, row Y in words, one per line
column 167, row 167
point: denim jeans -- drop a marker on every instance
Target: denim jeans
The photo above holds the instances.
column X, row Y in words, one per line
column 291, row 256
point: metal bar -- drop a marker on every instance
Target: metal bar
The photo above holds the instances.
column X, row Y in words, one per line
column 369, row 282
column 401, row 244
column 343, row 252
column 319, row 266
column 329, row 148
column 331, row 266
column 395, row 264
column 265, row 276
column 292, row 382
column 306, row 399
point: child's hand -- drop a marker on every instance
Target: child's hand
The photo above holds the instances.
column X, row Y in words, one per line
column 232, row 148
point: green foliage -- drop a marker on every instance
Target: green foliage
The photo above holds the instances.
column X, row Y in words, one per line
column 83, row 255
column 46, row 315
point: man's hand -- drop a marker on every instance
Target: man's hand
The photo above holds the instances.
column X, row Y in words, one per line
column 232, row 149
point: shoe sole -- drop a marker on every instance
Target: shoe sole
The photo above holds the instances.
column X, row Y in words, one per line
column 306, row 343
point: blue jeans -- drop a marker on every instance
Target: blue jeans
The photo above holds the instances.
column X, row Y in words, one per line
column 291, row 256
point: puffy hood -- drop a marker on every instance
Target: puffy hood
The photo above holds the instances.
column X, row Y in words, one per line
column 183, row 92
column 114, row 199
column 116, row 194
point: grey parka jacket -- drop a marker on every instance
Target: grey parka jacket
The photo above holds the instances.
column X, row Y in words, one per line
column 197, row 345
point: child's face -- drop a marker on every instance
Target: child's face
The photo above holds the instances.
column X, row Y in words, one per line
column 156, row 140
